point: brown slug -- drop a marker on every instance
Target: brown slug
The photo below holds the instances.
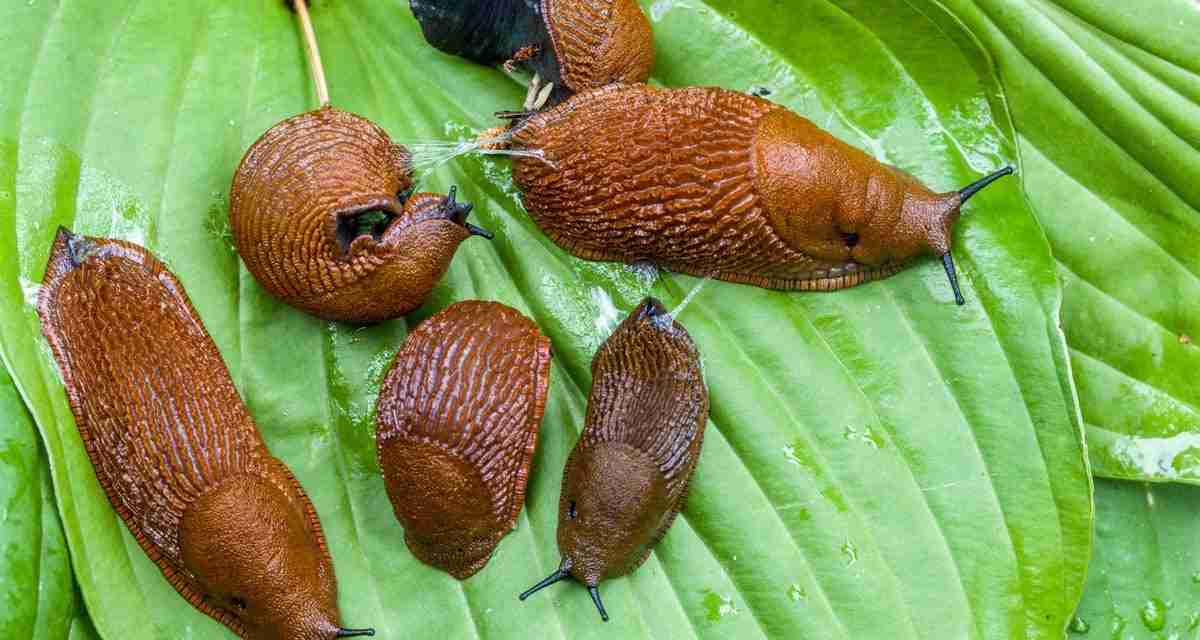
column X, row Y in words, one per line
column 176, row 451
column 627, row 476
column 321, row 216
column 717, row 183
column 569, row 45
column 458, row 420
column 322, row 213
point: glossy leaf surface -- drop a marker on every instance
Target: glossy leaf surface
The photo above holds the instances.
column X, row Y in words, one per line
column 880, row 462
column 1105, row 97
column 38, row 597
column 1144, row 580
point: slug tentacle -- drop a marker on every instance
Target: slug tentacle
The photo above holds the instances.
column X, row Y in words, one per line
column 174, row 448
column 627, row 475
column 595, row 593
column 562, row 573
column 458, row 420
column 952, row 275
column 353, row 633
column 966, row 193
column 726, row 185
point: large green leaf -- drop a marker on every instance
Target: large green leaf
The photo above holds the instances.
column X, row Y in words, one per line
column 1105, row 95
column 38, row 599
column 1144, row 581
column 880, row 463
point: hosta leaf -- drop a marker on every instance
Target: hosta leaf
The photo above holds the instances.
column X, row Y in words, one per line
column 38, row 599
column 880, row 463
column 1106, row 98
column 1144, row 581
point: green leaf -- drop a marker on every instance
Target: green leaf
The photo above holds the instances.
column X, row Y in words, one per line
column 880, row 462
column 1144, row 580
column 38, row 599
column 1106, row 97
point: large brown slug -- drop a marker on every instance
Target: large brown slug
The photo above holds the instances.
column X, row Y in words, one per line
column 458, row 421
column 321, row 216
column 628, row 474
column 716, row 183
column 570, row 45
column 175, row 450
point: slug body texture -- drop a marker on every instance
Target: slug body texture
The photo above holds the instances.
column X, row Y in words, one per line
column 174, row 448
column 717, row 183
column 321, row 215
column 575, row 44
column 458, row 420
column 627, row 476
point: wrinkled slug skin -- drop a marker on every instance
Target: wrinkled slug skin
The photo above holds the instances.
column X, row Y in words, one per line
column 575, row 44
column 627, row 476
column 599, row 42
column 174, row 448
column 458, row 420
column 314, row 170
column 716, row 183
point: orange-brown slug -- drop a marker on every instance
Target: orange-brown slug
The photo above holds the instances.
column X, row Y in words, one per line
column 458, row 419
column 321, row 215
column 569, row 45
column 716, row 183
column 627, row 476
column 175, row 450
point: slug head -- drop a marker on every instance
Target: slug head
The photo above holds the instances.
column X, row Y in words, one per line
column 426, row 224
column 926, row 220
column 836, row 204
column 402, row 251
column 611, row 508
column 254, row 557
column 612, row 504
column 443, row 503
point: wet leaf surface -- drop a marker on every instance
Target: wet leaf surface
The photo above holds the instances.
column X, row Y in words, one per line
column 880, row 463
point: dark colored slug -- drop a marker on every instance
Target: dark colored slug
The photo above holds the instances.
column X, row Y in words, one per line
column 717, row 183
column 458, row 421
column 321, row 214
column 627, row 476
column 574, row 45
column 175, row 450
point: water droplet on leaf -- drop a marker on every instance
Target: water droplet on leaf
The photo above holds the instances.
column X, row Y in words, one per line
column 1154, row 614
column 718, row 606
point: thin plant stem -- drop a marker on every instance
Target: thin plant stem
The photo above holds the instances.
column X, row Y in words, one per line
column 314, row 54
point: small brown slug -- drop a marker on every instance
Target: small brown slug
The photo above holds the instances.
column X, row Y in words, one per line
column 628, row 474
column 458, row 420
column 175, row 450
column 321, row 213
column 569, row 45
column 717, row 183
